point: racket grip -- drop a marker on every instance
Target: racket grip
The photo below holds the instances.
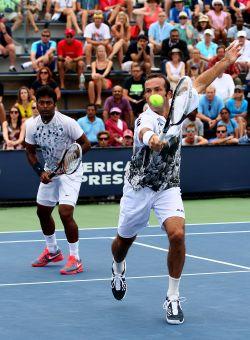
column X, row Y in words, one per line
column 53, row 174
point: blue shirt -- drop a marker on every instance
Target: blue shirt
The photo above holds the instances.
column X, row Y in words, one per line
column 244, row 140
column 91, row 129
column 231, row 126
column 174, row 14
column 207, row 52
column 158, row 32
column 230, row 105
column 212, row 108
column 39, row 48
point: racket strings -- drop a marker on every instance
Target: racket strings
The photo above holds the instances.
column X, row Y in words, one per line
column 72, row 159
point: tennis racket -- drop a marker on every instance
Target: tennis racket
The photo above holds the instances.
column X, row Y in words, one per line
column 70, row 162
column 179, row 108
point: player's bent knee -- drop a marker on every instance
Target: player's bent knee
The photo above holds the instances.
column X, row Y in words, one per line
column 65, row 211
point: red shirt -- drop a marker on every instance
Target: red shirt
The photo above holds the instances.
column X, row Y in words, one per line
column 105, row 3
column 74, row 50
column 232, row 69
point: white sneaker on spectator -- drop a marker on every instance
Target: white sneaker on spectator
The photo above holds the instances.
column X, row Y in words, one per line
column 12, row 68
column 25, row 65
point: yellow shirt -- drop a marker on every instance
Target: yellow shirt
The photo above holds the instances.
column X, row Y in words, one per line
column 26, row 113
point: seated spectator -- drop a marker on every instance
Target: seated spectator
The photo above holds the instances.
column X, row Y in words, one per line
column 196, row 61
column 103, row 138
column 111, row 8
column 186, row 30
column 70, row 56
column 232, row 126
column 238, row 107
column 96, row 33
column 147, row 15
column 244, row 60
column 207, row 47
column 115, row 126
column 246, row 138
column 47, row 5
column 203, row 25
column 44, row 77
column 222, row 138
column 174, row 42
column 121, row 36
column 91, row 125
column 193, row 119
column 224, row 86
column 13, row 130
column 233, row 69
column 86, row 8
column 42, row 53
column 240, row 9
column 32, row 13
column 65, row 11
column 128, row 139
column 35, row 111
column 192, row 138
column 7, row 46
column 179, row 7
column 158, row 31
column 239, row 26
column 209, row 109
column 133, row 89
column 101, row 68
column 175, row 68
column 24, row 102
column 219, row 20
column 11, row 11
column 138, row 51
column 118, row 100
column 2, row 109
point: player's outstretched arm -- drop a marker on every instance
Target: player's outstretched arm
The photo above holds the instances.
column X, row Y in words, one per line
column 84, row 142
column 206, row 78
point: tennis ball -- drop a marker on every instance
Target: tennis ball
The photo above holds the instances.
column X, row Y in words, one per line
column 156, row 100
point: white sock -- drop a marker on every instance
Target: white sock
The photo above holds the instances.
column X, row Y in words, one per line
column 118, row 267
column 74, row 249
column 27, row 64
column 51, row 243
column 173, row 288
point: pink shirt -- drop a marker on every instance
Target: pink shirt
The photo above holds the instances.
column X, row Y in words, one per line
column 217, row 20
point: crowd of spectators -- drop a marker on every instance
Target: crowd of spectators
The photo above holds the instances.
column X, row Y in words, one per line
column 174, row 37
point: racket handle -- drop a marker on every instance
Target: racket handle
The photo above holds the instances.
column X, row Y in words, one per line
column 53, row 174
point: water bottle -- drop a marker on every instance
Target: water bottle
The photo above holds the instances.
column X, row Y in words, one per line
column 82, row 81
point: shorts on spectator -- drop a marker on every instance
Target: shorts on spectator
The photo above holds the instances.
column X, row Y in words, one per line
column 10, row 16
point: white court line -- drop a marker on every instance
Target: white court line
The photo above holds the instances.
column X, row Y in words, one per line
column 139, row 236
column 106, row 228
column 127, row 278
column 195, row 257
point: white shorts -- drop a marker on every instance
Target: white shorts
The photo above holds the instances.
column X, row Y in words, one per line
column 63, row 189
column 135, row 207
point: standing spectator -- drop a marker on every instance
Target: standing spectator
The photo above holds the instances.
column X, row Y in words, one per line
column 186, row 30
column 44, row 77
column 121, row 36
column 65, row 9
column 209, row 109
column 239, row 26
column 158, row 31
column 7, row 47
column 24, row 102
column 246, row 138
column 222, row 138
column 128, row 138
column 91, row 125
column 175, row 68
column 138, row 51
column 118, row 100
column 13, row 130
column 86, row 8
column 203, row 25
column 192, row 138
column 96, row 33
column 134, row 89
column 207, row 47
column 244, row 60
column 219, row 20
column 116, row 126
column 177, row 9
column 147, row 15
column 237, row 105
column 195, row 61
column 103, row 138
column 70, row 56
column 42, row 53
column 193, row 119
column 101, row 68
column 224, row 86
column 174, row 42
column 232, row 126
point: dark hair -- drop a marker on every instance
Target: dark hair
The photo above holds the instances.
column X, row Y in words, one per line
column 220, row 47
column 19, row 119
column 225, row 109
column 142, row 36
column 157, row 75
column 105, row 132
column 46, row 91
column 174, row 30
column 91, row 105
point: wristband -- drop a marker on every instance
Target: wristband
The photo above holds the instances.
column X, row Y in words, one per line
column 146, row 136
column 38, row 168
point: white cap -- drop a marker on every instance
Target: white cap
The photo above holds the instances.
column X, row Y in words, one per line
column 209, row 31
column 217, row 2
column 242, row 34
column 183, row 14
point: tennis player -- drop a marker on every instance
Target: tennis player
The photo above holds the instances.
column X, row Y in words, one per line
column 54, row 132
column 157, row 186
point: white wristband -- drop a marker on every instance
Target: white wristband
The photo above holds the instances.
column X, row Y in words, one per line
column 146, row 136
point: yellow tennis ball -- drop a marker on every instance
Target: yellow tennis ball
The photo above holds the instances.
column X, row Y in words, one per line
column 156, row 100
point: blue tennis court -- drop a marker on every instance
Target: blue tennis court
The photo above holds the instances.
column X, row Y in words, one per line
column 40, row 303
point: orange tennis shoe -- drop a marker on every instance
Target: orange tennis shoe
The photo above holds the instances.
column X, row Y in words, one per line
column 73, row 266
column 47, row 257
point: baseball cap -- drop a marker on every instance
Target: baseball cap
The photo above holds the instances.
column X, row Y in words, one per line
column 239, row 87
column 128, row 133
column 203, row 18
column 217, row 2
column 69, row 31
column 98, row 14
column 178, row 0
column 175, row 50
column 183, row 14
column 208, row 31
column 242, row 34
column 115, row 109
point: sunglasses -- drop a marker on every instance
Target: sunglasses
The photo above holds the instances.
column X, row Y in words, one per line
column 128, row 137
column 191, row 131
column 103, row 138
column 69, row 36
column 217, row 5
column 43, row 72
column 115, row 113
column 14, row 111
column 221, row 131
column 45, row 35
